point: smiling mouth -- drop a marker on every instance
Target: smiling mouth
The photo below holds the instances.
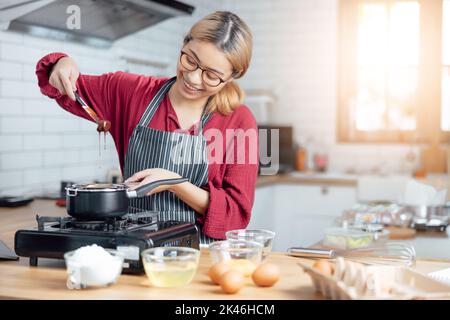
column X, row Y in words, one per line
column 191, row 88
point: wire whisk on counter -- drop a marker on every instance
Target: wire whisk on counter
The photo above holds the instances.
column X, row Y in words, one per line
column 388, row 253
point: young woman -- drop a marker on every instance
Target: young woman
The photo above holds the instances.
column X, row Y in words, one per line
column 151, row 117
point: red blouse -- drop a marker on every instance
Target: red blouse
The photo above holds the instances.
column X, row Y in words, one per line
column 122, row 99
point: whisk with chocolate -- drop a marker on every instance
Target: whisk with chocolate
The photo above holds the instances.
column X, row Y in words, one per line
column 102, row 125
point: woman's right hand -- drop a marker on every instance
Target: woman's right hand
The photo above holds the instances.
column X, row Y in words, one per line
column 64, row 76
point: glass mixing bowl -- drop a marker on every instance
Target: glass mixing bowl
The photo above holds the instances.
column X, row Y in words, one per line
column 265, row 237
column 241, row 255
column 170, row 266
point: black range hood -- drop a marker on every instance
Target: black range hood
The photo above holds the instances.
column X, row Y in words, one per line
column 101, row 22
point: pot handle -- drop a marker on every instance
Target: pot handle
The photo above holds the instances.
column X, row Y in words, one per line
column 143, row 190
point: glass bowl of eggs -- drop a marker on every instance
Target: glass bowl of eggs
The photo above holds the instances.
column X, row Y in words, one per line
column 241, row 255
column 264, row 237
column 170, row 266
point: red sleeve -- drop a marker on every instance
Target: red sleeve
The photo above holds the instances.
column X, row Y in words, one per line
column 43, row 69
column 97, row 91
column 231, row 203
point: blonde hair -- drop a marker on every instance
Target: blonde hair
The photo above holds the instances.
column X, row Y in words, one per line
column 232, row 36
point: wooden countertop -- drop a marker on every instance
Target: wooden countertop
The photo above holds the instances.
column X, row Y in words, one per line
column 337, row 179
column 48, row 281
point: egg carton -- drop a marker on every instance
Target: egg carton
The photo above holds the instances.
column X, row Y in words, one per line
column 356, row 281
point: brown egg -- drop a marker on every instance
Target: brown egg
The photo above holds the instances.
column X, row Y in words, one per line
column 216, row 271
column 232, row 281
column 324, row 266
column 266, row 275
column 245, row 266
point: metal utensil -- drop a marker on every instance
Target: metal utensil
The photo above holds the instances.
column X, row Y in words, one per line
column 388, row 253
column 102, row 125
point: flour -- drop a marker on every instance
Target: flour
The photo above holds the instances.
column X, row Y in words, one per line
column 93, row 254
column 93, row 265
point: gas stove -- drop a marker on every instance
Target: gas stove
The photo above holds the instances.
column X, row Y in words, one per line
column 130, row 234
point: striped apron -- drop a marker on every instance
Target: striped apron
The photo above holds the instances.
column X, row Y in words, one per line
column 182, row 153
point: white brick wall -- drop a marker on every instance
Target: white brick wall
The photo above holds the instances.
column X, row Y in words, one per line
column 21, row 160
column 11, row 143
column 10, row 180
column 60, row 158
column 21, row 124
column 10, row 70
column 295, row 48
column 40, row 143
column 10, row 106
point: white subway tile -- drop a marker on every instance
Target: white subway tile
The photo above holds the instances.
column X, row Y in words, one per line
column 96, row 155
column 21, row 160
column 87, row 126
column 19, row 89
column 29, row 72
column 81, row 140
column 42, row 106
column 10, row 70
column 10, row 106
column 61, row 157
column 80, row 173
column 20, row 53
column 24, row 191
column 60, row 125
column 41, row 176
column 11, row 37
column 10, row 179
column 42, row 43
column 42, row 142
column 20, row 125
column 11, row 143
column 100, row 64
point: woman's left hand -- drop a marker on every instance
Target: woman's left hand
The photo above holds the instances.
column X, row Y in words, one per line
column 149, row 175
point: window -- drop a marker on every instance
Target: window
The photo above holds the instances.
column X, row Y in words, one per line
column 394, row 70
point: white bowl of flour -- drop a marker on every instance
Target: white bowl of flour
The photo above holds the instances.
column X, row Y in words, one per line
column 92, row 266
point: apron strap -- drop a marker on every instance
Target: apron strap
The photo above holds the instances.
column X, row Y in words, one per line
column 205, row 119
column 156, row 101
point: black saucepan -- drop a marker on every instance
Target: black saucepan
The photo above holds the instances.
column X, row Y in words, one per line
column 101, row 201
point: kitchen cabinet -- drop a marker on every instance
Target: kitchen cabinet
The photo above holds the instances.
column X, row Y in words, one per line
column 263, row 208
column 315, row 200
column 299, row 213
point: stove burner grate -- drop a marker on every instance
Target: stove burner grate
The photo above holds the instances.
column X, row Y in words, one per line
column 126, row 222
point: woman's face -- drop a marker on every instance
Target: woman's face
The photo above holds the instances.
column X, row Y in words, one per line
column 208, row 57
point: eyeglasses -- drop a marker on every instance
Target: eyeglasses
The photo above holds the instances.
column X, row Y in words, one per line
column 210, row 78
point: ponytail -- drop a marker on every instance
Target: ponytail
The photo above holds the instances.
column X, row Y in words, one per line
column 226, row 100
